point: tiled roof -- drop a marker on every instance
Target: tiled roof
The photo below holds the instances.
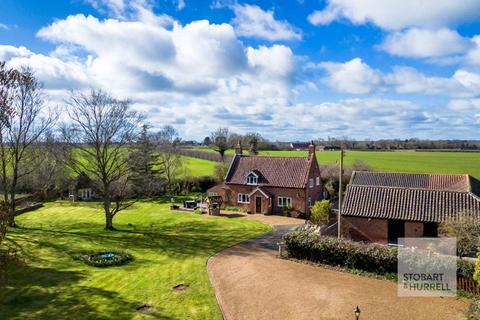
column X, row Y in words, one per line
column 413, row 197
column 288, row 172
column 445, row 182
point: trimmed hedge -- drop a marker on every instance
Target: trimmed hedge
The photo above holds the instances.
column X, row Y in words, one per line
column 374, row 258
column 307, row 245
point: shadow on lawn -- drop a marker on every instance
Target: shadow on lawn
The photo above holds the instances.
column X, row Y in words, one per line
column 180, row 241
column 44, row 293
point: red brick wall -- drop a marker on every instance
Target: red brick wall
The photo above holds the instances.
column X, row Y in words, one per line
column 315, row 193
column 365, row 229
column 413, row 229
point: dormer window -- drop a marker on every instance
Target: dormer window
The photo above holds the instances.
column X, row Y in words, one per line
column 252, row 178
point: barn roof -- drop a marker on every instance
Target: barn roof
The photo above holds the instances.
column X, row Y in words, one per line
column 411, row 196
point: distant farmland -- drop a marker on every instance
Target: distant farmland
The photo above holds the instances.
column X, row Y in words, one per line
column 397, row 161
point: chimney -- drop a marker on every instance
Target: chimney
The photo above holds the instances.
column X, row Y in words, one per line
column 311, row 148
column 238, row 148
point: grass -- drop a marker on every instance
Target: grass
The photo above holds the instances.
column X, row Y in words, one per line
column 169, row 248
column 195, row 167
column 398, row 161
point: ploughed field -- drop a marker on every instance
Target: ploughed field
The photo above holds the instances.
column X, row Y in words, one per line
column 169, row 248
column 397, row 161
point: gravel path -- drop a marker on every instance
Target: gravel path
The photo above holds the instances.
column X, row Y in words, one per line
column 252, row 283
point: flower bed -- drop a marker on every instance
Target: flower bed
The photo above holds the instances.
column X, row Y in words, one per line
column 105, row 258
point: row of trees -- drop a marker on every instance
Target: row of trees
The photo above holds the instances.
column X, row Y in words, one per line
column 102, row 137
column 222, row 139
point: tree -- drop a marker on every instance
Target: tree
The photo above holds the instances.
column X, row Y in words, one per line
column 170, row 160
column 144, row 162
column 320, row 212
column 466, row 229
column 21, row 129
column 253, row 139
column 98, row 137
column 220, row 171
column 220, row 141
column 50, row 172
column 207, row 141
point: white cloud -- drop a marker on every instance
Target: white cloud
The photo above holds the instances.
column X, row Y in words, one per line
column 464, row 104
column 252, row 21
column 353, row 76
column 398, row 14
column 424, row 43
column 473, row 56
column 4, row 26
column 357, row 77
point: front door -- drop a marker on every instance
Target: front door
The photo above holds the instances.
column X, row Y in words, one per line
column 258, row 204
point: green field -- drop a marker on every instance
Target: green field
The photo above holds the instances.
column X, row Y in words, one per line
column 169, row 248
column 195, row 167
column 398, row 161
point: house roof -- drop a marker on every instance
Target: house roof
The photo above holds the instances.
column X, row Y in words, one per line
column 288, row 172
column 411, row 196
column 300, row 145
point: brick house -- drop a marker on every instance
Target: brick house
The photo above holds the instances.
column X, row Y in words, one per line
column 266, row 184
column 382, row 207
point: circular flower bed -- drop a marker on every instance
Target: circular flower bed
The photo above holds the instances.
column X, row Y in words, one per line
column 104, row 258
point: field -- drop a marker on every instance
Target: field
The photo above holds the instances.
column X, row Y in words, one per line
column 398, row 161
column 169, row 248
column 196, row 167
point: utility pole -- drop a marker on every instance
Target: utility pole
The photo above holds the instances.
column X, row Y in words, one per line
column 340, row 178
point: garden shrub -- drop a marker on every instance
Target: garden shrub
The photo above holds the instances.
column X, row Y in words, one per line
column 320, row 212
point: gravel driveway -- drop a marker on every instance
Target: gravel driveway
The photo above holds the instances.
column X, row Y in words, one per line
column 252, row 283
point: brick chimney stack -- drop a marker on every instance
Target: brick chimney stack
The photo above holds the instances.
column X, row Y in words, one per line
column 311, row 148
column 238, row 148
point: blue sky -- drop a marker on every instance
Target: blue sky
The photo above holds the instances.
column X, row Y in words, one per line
column 287, row 69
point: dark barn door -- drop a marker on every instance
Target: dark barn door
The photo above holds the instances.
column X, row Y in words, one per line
column 396, row 229
column 258, row 204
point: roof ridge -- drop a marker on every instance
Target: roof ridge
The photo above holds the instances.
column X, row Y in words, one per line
column 412, row 173
column 404, row 188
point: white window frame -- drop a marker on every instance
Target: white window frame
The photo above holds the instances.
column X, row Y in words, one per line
column 318, row 181
column 310, row 182
column 252, row 179
column 284, row 202
column 243, row 198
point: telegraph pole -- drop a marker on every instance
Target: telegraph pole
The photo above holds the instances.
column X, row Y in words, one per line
column 340, row 178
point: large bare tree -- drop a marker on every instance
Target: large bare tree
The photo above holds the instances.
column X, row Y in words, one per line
column 220, row 141
column 98, row 141
column 22, row 127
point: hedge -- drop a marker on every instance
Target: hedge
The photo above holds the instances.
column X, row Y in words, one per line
column 307, row 245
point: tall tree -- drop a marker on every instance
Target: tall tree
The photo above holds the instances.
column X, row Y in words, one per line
column 220, row 141
column 145, row 164
column 170, row 160
column 98, row 137
column 253, row 139
column 22, row 128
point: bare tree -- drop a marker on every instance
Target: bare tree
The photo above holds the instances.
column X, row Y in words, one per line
column 98, row 137
column 170, row 160
column 220, row 141
column 21, row 129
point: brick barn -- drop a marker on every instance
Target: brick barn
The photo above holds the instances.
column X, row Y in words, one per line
column 266, row 184
column 382, row 207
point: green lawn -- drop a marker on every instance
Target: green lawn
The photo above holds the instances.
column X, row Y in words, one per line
column 196, row 167
column 169, row 248
column 398, row 161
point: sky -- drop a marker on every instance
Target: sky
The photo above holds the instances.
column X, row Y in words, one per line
column 290, row 70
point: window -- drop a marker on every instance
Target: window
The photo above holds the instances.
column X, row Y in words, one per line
column 284, row 202
column 318, row 181
column 309, row 202
column 243, row 198
column 252, row 179
column 310, row 182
